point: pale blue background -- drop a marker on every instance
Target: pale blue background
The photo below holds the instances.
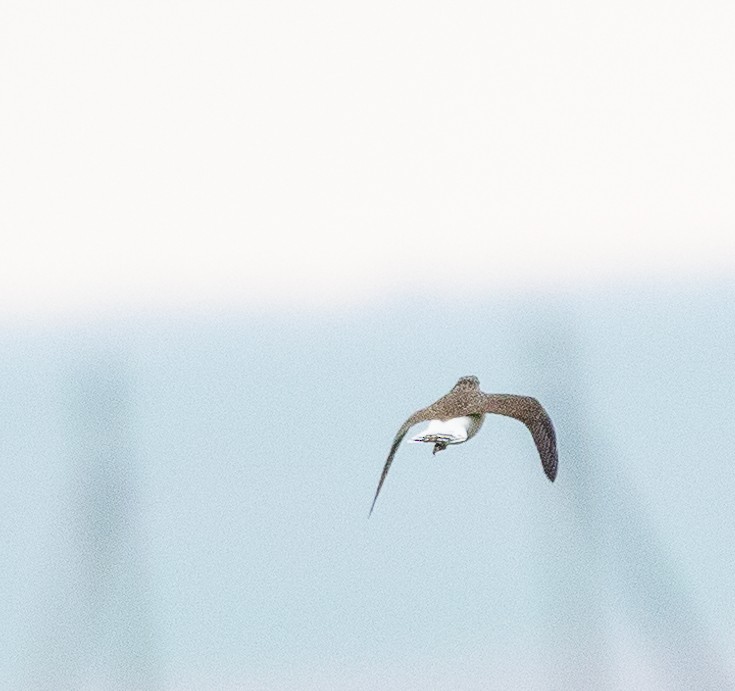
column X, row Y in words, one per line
column 185, row 500
column 241, row 241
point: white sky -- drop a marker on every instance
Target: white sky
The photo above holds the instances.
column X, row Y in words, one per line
column 162, row 153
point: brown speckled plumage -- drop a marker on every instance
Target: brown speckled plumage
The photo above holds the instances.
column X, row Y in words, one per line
column 467, row 399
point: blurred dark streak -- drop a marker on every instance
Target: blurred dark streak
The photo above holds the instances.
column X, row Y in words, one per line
column 610, row 557
column 99, row 624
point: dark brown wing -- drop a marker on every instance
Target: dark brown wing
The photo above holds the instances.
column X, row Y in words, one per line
column 532, row 414
column 418, row 416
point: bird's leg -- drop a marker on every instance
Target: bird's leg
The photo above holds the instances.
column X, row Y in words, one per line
column 439, row 446
column 440, row 441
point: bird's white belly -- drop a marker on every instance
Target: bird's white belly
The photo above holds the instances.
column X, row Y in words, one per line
column 453, row 431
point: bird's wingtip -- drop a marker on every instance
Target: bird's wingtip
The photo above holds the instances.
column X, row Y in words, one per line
column 370, row 513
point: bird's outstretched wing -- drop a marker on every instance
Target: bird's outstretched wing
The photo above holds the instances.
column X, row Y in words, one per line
column 418, row 416
column 532, row 414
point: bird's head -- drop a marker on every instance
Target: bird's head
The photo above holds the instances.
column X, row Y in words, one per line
column 468, row 383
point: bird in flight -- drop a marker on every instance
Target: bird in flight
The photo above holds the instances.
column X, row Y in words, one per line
column 458, row 416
